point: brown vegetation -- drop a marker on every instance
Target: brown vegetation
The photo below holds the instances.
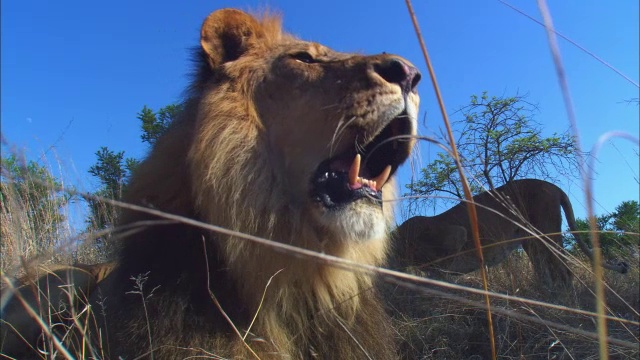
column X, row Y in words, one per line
column 439, row 326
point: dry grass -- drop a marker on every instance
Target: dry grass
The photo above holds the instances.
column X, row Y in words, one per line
column 26, row 237
column 429, row 326
column 37, row 235
column 29, row 240
column 434, row 327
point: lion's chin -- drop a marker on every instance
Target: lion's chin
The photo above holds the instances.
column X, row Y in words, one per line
column 360, row 221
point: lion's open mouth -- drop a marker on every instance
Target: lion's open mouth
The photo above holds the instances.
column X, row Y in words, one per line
column 361, row 172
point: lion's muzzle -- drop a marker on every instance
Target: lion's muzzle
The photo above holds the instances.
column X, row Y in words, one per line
column 362, row 171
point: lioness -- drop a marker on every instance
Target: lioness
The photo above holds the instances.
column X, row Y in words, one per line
column 279, row 138
column 520, row 213
column 56, row 293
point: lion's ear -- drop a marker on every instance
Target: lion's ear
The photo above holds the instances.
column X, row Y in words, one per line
column 226, row 34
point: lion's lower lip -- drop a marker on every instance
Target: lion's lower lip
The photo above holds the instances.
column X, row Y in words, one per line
column 332, row 190
column 342, row 180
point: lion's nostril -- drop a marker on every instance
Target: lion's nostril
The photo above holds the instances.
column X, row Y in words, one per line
column 416, row 80
column 392, row 70
column 396, row 71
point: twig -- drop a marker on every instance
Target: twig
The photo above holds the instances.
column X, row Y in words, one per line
column 217, row 303
column 473, row 216
column 255, row 316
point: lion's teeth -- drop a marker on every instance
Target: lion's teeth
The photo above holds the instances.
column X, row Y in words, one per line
column 355, row 181
column 354, row 170
column 383, row 177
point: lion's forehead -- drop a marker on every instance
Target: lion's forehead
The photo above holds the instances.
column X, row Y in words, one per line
column 317, row 50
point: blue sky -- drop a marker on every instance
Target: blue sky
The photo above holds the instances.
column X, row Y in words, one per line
column 75, row 73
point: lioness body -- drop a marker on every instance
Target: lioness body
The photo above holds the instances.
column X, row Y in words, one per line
column 266, row 146
column 56, row 294
column 523, row 213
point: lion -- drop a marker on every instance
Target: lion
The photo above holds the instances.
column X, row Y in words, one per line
column 522, row 212
column 282, row 139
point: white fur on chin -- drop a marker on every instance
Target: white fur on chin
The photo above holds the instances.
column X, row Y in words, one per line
column 360, row 221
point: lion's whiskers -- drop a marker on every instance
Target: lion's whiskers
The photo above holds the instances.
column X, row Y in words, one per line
column 337, row 135
column 329, row 106
column 358, row 146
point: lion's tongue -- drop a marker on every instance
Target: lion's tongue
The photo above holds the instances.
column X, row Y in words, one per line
column 358, row 176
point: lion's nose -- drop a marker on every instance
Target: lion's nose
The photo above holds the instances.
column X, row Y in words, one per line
column 398, row 71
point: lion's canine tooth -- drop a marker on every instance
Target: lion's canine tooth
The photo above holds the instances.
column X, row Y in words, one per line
column 354, row 170
column 383, row 176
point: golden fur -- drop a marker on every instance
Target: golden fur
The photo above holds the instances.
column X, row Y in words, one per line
column 264, row 112
column 520, row 213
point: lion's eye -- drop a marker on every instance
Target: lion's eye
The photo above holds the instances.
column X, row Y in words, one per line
column 304, row 57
